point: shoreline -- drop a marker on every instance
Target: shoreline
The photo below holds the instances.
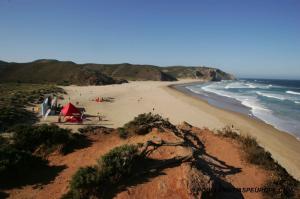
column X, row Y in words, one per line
column 235, row 106
column 283, row 146
column 227, row 104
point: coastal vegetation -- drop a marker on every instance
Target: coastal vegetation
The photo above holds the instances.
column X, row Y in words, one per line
column 16, row 164
column 143, row 124
column 15, row 97
column 111, row 169
column 27, row 148
column 45, row 138
column 283, row 184
column 24, row 147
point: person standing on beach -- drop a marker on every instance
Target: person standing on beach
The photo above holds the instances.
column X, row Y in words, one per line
column 99, row 117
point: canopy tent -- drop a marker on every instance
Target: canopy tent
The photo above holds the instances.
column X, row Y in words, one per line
column 49, row 103
column 70, row 110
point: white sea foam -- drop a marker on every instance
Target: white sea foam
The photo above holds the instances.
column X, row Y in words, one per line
column 236, row 85
column 269, row 95
column 293, row 92
column 243, row 85
column 254, row 104
column 194, row 90
column 249, row 94
column 218, row 92
column 251, row 86
column 248, row 101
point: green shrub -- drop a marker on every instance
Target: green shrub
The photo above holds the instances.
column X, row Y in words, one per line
column 284, row 184
column 14, row 164
column 111, row 169
column 255, row 154
column 14, row 97
column 10, row 116
column 84, row 182
column 95, row 129
column 122, row 133
column 119, row 162
column 48, row 137
column 144, row 123
column 227, row 132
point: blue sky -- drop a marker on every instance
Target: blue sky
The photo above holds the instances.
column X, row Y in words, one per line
column 249, row 38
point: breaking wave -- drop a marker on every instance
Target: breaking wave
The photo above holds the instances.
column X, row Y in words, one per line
column 274, row 96
column 273, row 102
column 293, row 92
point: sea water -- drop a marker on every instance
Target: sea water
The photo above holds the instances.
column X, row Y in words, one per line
column 276, row 102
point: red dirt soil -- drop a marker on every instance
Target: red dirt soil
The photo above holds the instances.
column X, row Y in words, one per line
column 170, row 183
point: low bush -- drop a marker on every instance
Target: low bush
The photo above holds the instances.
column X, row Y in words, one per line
column 45, row 137
column 283, row 184
column 112, row 168
column 85, row 182
column 95, row 129
column 15, row 163
column 10, row 116
column 119, row 162
column 14, row 97
column 122, row 133
column 144, row 123
column 255, row 154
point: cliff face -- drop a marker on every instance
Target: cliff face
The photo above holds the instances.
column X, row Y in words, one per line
column 204, row 73
column 66, row 72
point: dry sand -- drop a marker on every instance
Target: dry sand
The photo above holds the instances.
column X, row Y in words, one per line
column 147, row 96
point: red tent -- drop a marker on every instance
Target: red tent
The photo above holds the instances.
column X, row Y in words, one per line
column 70, row 110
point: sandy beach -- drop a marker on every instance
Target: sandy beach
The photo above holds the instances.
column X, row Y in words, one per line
column 129, row 100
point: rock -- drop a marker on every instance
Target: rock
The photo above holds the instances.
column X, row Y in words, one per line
column 185, row 126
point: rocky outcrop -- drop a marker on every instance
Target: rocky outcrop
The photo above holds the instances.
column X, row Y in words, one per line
column 203, row 73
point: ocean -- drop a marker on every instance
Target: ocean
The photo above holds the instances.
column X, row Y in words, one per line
column 276, row 102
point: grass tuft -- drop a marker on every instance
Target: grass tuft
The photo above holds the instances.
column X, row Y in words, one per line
column 283, row 184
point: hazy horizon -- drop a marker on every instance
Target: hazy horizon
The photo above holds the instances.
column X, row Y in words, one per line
column 250, row 39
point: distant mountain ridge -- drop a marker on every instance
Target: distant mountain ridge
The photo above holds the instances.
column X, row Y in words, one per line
column 67, row 72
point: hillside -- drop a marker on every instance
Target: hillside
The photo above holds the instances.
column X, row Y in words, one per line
column 67, row 72
column 205, row 73
column 53, row 71
column 132, row 72
column 2, row 65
